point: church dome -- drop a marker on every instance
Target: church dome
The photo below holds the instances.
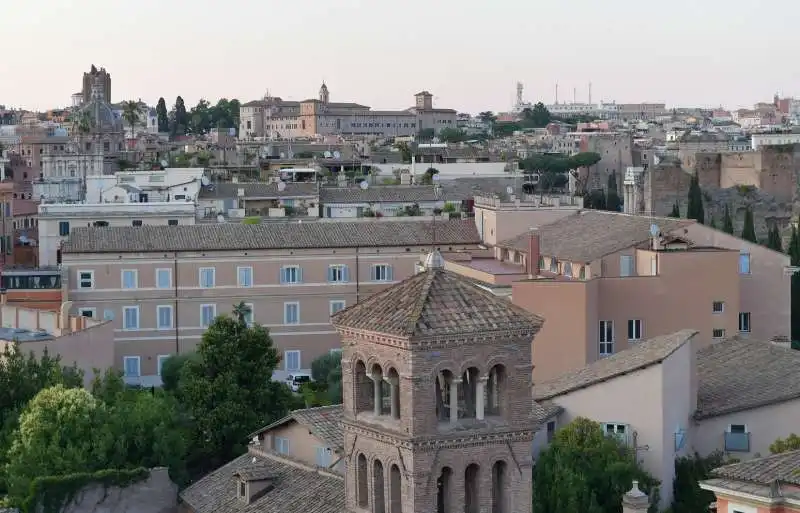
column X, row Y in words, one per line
column 101, row 115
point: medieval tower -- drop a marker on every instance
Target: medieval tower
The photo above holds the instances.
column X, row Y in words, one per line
column 436, row 375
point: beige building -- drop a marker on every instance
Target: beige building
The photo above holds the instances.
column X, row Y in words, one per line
column 665, row 398
column 623, row 285
column 274, row 118
column 161, row 286
column 436, row 414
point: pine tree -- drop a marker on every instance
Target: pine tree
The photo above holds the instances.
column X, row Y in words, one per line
column 774, row 239
column 727, row 221
column 713, row 222
column 749, row 229
column 613, row 202
column 161, row 114
column 694, row 209
column 676, row 210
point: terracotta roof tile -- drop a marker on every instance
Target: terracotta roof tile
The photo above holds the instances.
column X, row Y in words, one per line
column 435, row 303
column 783, row 467
column 259, row 190
column 642, row 355
column 378, row 194
column 325, row 422
column 297, row 488
column 739, row 374
column 591, row 234
column 283, row 235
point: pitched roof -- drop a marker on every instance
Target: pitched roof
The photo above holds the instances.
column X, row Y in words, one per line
column 592, row 234
column 435, row 303
column 282, row 235
column 381, row 193
column 545, row 410
column 259, row 190
column 325, row 422
column 296, row 488
column 739, row 374
column 644, row 354
column 783, row 467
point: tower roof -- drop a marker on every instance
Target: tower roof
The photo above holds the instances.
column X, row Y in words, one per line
column 436, row 303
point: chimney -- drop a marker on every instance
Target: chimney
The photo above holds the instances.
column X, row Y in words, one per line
column 533, row 254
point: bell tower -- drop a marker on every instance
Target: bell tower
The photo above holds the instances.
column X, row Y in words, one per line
column 324, row 95
column 436, row 376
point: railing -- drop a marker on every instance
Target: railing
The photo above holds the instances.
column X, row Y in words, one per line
column 737, row 442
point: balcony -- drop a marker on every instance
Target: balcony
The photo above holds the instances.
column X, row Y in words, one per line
column 737, row 442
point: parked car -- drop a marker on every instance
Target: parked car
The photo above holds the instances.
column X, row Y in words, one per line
column 294, row 381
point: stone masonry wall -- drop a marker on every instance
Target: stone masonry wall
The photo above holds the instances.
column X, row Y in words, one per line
column 156, row 494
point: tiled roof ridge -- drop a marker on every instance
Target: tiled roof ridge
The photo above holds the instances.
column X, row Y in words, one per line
column 757, row 463
column 422, row 299
column 280, row 458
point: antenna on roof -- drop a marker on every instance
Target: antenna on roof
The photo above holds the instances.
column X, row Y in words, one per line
column 364, row 185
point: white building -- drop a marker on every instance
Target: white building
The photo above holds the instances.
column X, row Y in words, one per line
column 56, row 220
column 171, row 184
column 759, row 140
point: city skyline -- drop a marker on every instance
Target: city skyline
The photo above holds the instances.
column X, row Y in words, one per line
column 469, row 57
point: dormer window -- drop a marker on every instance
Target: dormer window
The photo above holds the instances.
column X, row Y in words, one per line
column 242, row 489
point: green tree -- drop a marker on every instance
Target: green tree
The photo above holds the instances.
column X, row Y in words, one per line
column 130, row 113
column 595, row 199
column 749, row 229
column 487, row 117
column 405, row 152
column 687, row 496
column 452, row 135
column 427, row 177
column 774, row 240
column 180, row 121
column 727, row 221
column 694, row 209
column 790, row 443
column 504, row 129
column 712, row 222
column 584, row 159
column 56, row 436
column 426, row 134
column 229, row 392
column 613, row 201
column 171, row 369
column 326, row 387
column 583, row 470
column 676, row 210
column 161, row 115
column 537, row 117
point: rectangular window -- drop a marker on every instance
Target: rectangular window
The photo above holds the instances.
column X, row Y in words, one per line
column 130, row 317
column 249, row 316
column 291, row 274
column 338, row 273
column 551, row 430
column 323, row 456
column 85, row 279
column 164, row 314
column 291, row 313
column 281, row 445
column 172, row 222
column 635, row 329
column 337, row 305
column 131, row 366
column 737, row 428
column 606, row 338
column 245, row 276
column 207, row 277
column 130, row 279
column 744, row 322
column 207, row 314
column 717, row 307
column 626, row 265
column 718, row 333
column 163, row 278
column 291, row 360
column 136, row 222
column 381, row 272
column 161, row 359
column 744, row 263
column 87, row 312
column 63, row 228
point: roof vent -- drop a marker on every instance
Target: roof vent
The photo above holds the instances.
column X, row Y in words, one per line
column 253, row 483
column 434, row 260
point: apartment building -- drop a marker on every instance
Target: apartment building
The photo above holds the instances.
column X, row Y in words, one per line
column 162, row 286
column 604, row 282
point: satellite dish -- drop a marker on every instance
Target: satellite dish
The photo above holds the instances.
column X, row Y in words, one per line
column 364, row 185
column 205, row 181
column 337, row 155
column 164, row 163
column 654, row 230
column 509, row 190
column 281, row 186
column 283, row 155
column 220, row 218
column 328, row 154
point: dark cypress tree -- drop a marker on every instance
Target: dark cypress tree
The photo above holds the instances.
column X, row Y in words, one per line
column 749, row 229
column 794, row 257
column 676, row 210
column 727, row 221
column 774, row 239
column 694, row 209
column 613, row 201
column 181, row 118
column 713, row 222
column 161, row 114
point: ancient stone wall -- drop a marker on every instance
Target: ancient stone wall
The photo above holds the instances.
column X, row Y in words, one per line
column 156, row 494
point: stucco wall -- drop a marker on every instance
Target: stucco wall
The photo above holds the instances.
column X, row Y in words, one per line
column 157, row 494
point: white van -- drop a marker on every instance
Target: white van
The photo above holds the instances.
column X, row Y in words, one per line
column 294, row 381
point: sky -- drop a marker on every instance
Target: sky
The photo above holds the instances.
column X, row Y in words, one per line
column 469, row 54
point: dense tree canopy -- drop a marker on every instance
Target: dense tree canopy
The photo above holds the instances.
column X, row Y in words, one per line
column 694, row 210
column 326, row 387
column 205, row 117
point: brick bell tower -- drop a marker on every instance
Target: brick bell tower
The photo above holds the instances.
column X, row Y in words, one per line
column 436, row 375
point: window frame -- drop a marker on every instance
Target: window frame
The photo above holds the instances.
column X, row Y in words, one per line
column 138, row 360
column 252, row 313
column 286, row 306
column 746, row 258
column 602, row 333
column 133, row 308
column 389, row 274
column 200, row 272
column 342, row 271
column 239, row 281
column 721, row 333
column 81, row 280
column 160, row 270
column 135, row 272
column 60, row 225
column 721, row 307
column 160, row 359
column 630, row 270
column 92, row 310
column 333, row 302
column 284, row 275
column 632, row 325
column 203, row 306
column 744, row 322
column 286, row 354
column 171, row 317
column 283, row 443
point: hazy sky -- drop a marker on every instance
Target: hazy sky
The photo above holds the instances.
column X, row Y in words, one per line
column 468, row 53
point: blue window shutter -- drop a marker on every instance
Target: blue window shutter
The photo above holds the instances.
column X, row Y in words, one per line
column 330, row 273
column 389, row 273
column 283, row 275
column 345, row 273
column 299, row 275
column 373, row 273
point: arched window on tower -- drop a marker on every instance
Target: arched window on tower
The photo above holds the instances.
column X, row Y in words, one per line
column 378, row 388
column 363, row 388
column 444, row 490
column 391, row 399
column 470, row 396
column 446, row 394
column 499, row 487
column 395, row 490
column 361, row 481
column 496, row 390
column 378, row 502
column 471, row 490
